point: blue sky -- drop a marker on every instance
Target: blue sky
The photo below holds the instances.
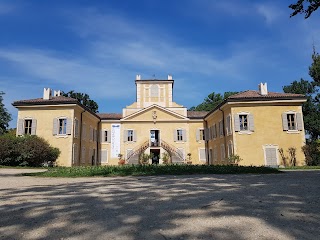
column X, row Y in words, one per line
column 98, row 47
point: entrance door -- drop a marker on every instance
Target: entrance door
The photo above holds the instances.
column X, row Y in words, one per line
column 155, row 138
column 155, row 155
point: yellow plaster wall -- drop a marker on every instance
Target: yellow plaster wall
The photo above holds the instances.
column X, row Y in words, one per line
column 107, row 146
column 45, row 116
column 195, row 145
column 89, row 120
column 268, row 130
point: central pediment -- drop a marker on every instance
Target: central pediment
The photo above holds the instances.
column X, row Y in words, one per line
column 156, row 113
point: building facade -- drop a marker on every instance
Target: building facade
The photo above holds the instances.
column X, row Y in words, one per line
column 251, row 124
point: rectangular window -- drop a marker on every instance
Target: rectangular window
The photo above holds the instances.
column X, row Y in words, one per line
column 130, row 136
column 230, row 149
column 201, row 134
column 222, row 152
column 202, row 154
column 179, row 135
column 106, row 136
column 291, row 118
column 221, row 128
column 271, row 158
column 215, row 154
column 104, row 156
column 27, row 126
column 243, row 119
column 62, row 126
column 228, row 128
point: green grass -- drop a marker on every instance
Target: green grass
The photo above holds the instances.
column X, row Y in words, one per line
column 301, row 168
column 22, row 167
column 147, row 170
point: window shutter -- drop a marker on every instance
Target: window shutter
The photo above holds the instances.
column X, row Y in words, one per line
column 83, row 155
column 75, row 153
column 33, row 126
column 55, row 126
column 236, row 123
column 198, row 135
column 20, row 126
column 175, row 135
column 104, row 156
column 284, row 122
column 125, row 135
column 69, row 124
column 228, row 127
column 251, row 122
column 184, row 135
column 102, row 136
column 90, row 156
column 299, row 121
column 134, row 135
column 202, row 153
column 108, row 136
column 210, row 133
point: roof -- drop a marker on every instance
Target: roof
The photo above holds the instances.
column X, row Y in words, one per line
column 196, row 114
column 52, row 101
column 41, row 101
column 110, row 116
column 252, row 94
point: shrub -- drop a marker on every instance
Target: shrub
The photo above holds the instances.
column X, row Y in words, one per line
column 234, row 159
column 30, row 151
column 312, row 153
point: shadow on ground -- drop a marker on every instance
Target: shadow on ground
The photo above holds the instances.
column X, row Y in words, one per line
column 275, row 206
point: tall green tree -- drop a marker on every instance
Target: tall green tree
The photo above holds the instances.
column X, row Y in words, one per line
column 211, row 101
column 5, row 116
column 84, row 99
column 306, row 7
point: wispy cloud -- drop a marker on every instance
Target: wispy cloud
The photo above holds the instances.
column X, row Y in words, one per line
column 269, row 12
column 6, row 8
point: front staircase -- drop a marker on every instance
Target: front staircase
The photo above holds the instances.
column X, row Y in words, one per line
column 133, row 157
column 176, row 155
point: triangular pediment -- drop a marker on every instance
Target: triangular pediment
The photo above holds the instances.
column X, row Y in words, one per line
column 155, row 113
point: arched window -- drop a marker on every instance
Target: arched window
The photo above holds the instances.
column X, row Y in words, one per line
column 154, row 91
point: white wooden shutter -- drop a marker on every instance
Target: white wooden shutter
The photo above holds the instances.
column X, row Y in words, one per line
column 228, row 127
column 271, row 156
column 299, row 121
column 20, row 127
column 33, row 126
column 55, row 126
column 83, row 155
column 125, row 135
column 134, row 135
column 284, row 122
column 69, row 125
column 175, row 135
column 184, row 135
column 104, row 156
column 108, row 136
column 198, row 135
column 251, row 122
column 236, row 123
column 202, row 154
column 223, row 153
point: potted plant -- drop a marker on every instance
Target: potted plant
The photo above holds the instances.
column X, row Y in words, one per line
column 165, row 158
column 121, row 160
column 144, row 158
column 189, row 159
column 234, row 159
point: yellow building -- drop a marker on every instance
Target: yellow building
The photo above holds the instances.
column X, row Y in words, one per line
column 251, row 124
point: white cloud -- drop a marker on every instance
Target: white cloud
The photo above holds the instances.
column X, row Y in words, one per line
column 6, row 8
column 269, row 12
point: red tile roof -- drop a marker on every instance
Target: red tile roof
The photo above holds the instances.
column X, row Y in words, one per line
column 256, row 94
column 53, row 100
column 110, row 116
column 196, row 114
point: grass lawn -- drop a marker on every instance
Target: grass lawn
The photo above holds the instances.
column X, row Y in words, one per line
column 147, row 170
column 301, row 168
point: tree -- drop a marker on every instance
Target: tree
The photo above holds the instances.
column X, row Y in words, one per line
column 212, row 101
column 84, row 99
column 5, row 117
column 306, row 7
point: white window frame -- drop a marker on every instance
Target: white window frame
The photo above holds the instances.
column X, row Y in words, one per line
column 24, row 126
column 296, row 130
column 201, row 132
column 199, row 152
column 180, row 136
column 61, row 119
column 248, row 123
column 230, row 149
column 130, row 137
column 229, row 125
column 221, row 128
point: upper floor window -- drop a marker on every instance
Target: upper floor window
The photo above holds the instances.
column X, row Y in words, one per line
column 62, row 126
column 179, row 135
column 200, row 136
column 76, row 128
column 228, row 127
column 221, row 128
column 292, row 121
column 243, row 122
column 243, row 119
column 27, row 126
column 130, row 136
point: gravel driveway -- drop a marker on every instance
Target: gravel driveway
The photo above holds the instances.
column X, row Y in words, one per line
column 275, row 206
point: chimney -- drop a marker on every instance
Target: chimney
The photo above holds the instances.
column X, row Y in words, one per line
column 169, row 77
column 57, row 93
column 263, row 89
column 46, row 93
column 138, row 77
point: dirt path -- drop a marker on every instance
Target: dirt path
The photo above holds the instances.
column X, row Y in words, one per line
column 275, row 206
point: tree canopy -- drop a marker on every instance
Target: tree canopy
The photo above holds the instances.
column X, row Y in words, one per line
column 84, row 99
column 5, row 116
column 306, row 7
column 211, row 101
